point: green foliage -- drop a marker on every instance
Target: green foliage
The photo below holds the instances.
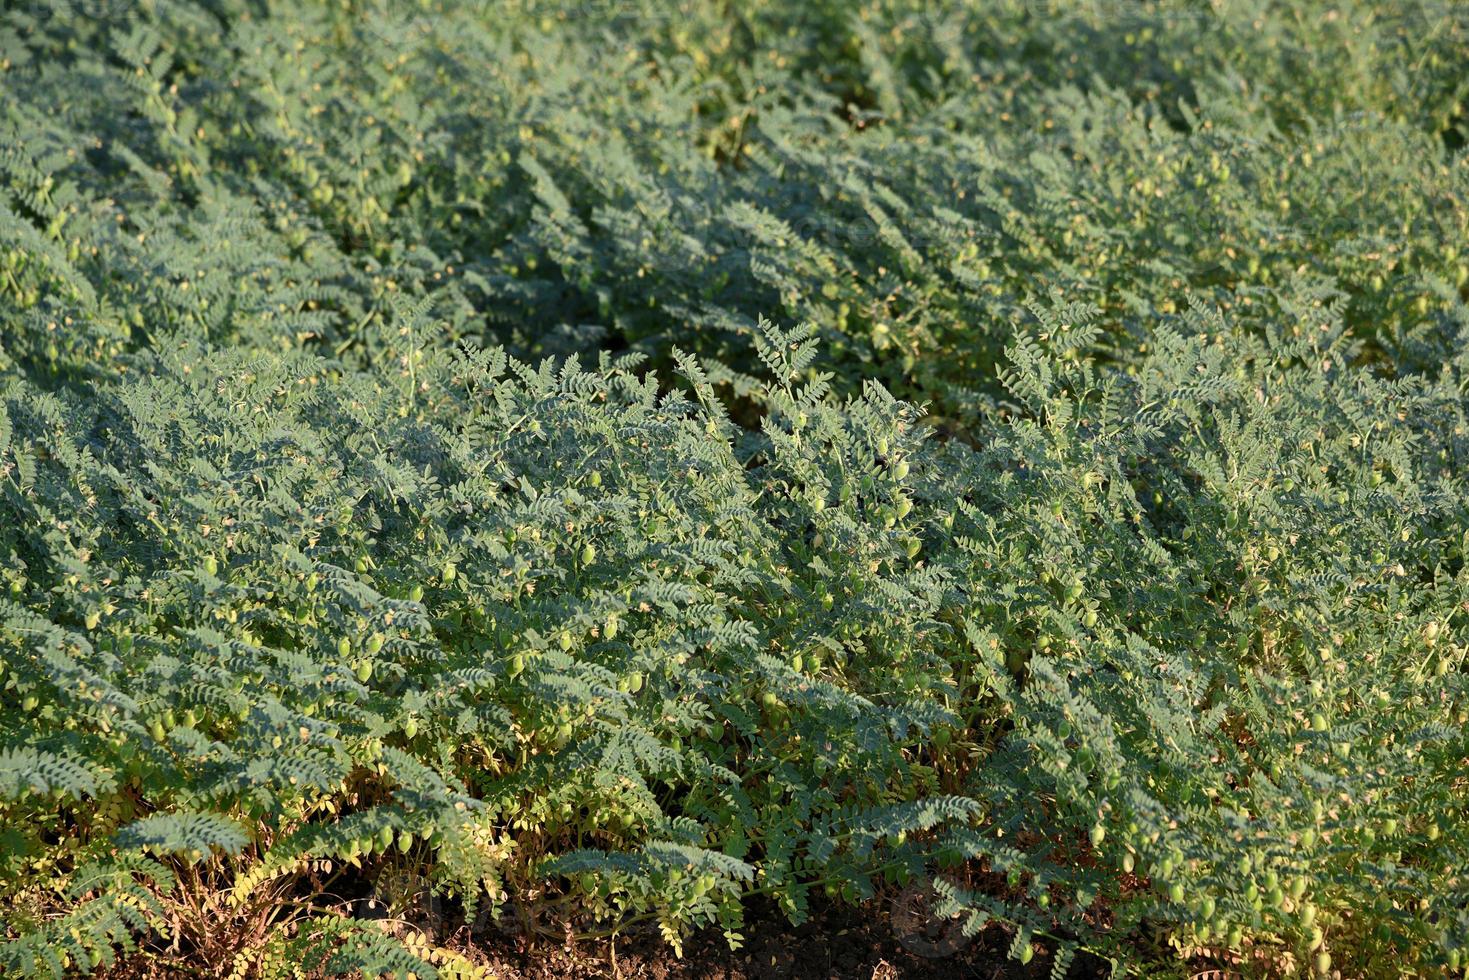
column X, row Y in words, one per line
column 404, row 469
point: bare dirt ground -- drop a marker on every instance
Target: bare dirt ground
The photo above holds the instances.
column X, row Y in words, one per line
column 837, row 943
column 895, row 937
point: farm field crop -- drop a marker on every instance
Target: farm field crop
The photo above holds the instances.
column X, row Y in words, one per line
column 676, row 471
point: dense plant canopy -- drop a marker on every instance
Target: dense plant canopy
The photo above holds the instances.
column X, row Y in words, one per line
column 624, row 457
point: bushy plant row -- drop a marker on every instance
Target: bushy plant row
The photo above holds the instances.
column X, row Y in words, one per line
column 266, row 177
column 1096, row 540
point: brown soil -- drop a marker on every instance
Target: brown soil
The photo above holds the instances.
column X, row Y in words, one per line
column 890, row 938
column 837, row 943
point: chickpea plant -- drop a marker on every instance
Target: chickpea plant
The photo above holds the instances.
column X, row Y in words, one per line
column 817, row 452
